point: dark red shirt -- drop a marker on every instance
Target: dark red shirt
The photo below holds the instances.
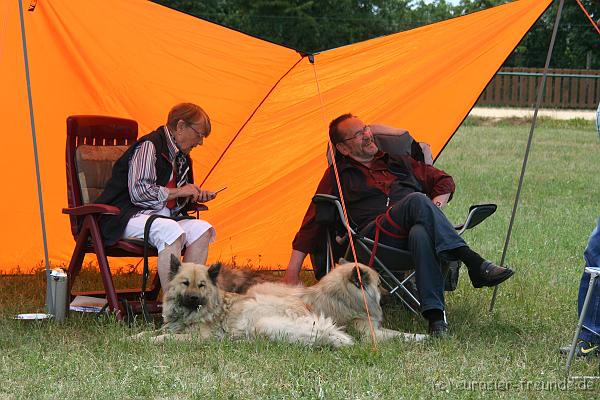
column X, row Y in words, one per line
column 378, row 176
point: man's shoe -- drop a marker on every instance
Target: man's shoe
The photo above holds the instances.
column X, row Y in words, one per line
column 438, row 328
column 583, row 348
column 489, row 274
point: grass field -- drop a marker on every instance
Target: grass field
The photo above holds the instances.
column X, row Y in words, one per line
column 511, row 353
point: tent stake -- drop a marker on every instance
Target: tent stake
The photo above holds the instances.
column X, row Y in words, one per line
column 35, row 154
column 540, row 95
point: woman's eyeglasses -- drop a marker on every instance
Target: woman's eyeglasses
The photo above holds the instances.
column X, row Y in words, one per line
column 194, row 129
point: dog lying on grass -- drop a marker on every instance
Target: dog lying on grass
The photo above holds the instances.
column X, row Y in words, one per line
column 338, row 296
column 194, row 307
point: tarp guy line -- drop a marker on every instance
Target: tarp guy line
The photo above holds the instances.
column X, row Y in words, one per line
column 248, row 120
column 339, row 185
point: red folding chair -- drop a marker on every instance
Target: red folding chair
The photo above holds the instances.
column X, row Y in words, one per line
column 94, row 143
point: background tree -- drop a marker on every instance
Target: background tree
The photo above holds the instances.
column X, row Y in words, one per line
column 315, row 25
column 577, row 42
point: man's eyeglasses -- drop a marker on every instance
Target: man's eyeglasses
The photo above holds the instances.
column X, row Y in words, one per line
column 358, row 134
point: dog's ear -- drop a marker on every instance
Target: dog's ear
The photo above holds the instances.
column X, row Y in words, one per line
column 213, row 272
column 355, row 279
column 175, row 264
column 342, row 261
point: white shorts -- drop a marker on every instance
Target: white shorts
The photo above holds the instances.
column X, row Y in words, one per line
column 164, row 232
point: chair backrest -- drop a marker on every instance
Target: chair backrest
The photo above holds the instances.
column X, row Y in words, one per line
column 399, row 142
column 93, row 145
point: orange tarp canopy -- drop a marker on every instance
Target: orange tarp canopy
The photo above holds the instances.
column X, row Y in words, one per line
column 135, row 59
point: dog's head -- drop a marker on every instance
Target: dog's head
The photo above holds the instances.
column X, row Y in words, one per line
column 192, row 285
column 357, row 277
column 359, row 274
column 364, row 277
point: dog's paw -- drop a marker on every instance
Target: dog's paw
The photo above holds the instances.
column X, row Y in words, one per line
column 139, row 336
column 414, row 337
column 159, row 339
column 341, row 339
column 337, row 338
column 169, row 337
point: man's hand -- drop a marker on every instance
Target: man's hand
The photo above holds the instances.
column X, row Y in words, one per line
column 441, row 200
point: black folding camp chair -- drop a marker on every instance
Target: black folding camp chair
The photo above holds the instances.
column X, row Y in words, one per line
column 396, row 266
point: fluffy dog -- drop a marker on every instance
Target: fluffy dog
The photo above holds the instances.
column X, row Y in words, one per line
column 338, row 296
column 194, row 306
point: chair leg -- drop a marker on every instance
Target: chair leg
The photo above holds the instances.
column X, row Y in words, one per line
column 387, row 275
column 586, row 303
column 77, row 259
column 330, row 262
column 152, row 294
column 109, row 286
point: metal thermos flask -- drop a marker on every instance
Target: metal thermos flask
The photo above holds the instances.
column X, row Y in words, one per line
column 58, row 295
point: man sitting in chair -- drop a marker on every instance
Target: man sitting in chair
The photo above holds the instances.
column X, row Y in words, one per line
column 154, row 176
column 373, row 183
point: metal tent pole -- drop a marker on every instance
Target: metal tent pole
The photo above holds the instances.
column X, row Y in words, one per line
column 540, row 95
column 35, row 152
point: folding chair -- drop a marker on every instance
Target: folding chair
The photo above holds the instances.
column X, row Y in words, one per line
column 93, row 145
column 392, row 263
column 395, row 265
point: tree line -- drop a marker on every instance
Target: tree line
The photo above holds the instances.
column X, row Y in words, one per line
column 316, row 25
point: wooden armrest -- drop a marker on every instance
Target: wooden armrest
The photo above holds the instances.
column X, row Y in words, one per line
column 92, row 209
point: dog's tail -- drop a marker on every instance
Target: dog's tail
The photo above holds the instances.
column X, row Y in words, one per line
column 310, row 329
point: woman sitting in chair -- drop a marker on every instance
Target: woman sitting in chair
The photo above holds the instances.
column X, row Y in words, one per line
column 154, row 177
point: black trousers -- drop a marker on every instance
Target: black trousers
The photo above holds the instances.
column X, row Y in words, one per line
column 430, row 236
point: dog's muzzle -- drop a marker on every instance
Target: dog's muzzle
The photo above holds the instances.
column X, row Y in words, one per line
column 192, row 302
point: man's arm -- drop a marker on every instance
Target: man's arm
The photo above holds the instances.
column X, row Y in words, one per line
column 309, row 234
column 292, row 275
column 437, row 184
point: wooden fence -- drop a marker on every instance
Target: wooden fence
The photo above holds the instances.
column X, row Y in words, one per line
column 565, row 88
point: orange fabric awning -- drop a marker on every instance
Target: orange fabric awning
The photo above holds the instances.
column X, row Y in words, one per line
column 135, row 59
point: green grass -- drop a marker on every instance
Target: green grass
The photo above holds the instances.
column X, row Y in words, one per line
column 509, row 353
